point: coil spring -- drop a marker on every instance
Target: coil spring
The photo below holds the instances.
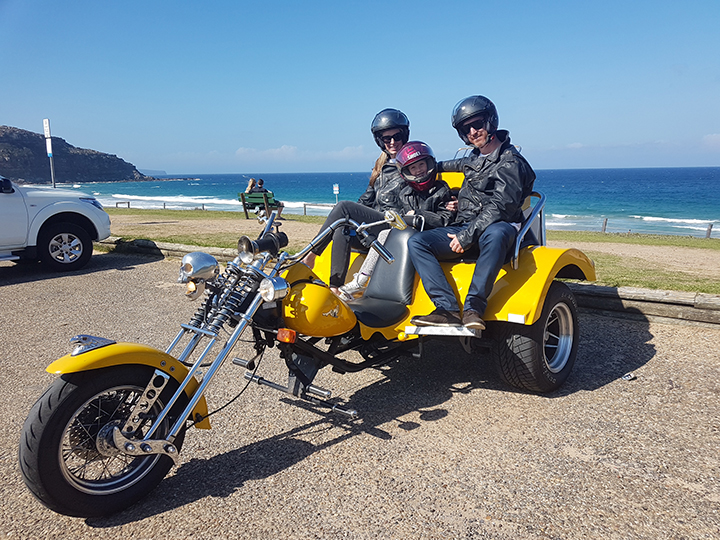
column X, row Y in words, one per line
column 215, row 310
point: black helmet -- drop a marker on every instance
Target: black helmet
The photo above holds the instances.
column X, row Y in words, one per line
column 390, row 119
column 475, row 106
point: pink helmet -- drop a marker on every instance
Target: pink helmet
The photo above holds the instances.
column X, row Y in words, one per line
column 417, row 165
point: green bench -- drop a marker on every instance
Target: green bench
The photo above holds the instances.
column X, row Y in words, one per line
column 251, row 201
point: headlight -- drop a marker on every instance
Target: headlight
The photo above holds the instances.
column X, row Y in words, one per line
column 92, row 201
column 273, row 289
column 198, row 266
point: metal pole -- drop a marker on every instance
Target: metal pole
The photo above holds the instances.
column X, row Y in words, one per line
column 709, row 230
column 48, row 144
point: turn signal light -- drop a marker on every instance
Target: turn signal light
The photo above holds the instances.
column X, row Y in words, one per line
column 285, row 335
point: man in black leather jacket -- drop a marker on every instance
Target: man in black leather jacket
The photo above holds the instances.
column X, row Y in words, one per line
column 497, row 182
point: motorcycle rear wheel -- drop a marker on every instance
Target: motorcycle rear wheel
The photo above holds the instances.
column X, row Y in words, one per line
column 59, row 458
column 539, row 357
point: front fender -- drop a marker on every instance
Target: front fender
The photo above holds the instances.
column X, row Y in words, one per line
column 132, row 353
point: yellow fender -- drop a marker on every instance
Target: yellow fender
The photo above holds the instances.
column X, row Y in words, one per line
column 518, row 295
column 132, row 353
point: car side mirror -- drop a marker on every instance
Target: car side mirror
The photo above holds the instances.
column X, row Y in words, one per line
column 6, row 186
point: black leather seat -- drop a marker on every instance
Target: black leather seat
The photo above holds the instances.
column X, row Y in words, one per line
column 390, row 289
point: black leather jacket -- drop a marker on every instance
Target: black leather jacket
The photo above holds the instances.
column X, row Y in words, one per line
column 384, row 194
column 494, row 188
column 429, row 204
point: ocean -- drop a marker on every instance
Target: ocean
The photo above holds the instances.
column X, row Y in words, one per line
column 679, row 201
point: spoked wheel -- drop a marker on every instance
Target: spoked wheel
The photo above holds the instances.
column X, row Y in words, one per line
column 539, row 357
column 60, row 459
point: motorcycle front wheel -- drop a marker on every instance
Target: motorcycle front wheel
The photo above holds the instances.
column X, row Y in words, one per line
column 59, row 458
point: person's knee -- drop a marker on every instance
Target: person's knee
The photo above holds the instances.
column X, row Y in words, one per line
column 415, row 243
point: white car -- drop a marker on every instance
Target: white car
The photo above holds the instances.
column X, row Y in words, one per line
column 57, row 226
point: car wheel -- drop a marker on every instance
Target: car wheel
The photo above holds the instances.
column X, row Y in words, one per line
column 64, row 247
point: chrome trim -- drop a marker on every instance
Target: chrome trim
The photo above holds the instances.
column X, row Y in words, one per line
column 537, row 210
column 84, row 343
column 150, row 395
column 145, row 447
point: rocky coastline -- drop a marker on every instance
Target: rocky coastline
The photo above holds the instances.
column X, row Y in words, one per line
column 23, row 158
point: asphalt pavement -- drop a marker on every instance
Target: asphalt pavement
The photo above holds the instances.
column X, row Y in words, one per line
column 442, row 449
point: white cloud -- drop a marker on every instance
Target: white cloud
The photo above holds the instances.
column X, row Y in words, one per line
column 285, row 152
column 293, row 154
column 712, row 141
column 576, row 145
column 349, row 152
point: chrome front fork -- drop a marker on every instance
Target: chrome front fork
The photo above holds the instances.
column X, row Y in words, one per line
column 245, row 321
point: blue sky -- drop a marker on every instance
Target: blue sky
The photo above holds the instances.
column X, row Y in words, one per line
column 238, row 86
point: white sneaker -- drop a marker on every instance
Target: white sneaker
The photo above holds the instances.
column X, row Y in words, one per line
column 355, row 288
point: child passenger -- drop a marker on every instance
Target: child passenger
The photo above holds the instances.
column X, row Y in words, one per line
column 423, row 200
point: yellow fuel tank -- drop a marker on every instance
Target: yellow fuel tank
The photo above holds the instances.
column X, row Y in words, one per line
column 311, row 309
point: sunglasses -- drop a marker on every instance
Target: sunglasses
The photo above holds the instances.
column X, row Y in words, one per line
column 397, row 137
column 477, row 124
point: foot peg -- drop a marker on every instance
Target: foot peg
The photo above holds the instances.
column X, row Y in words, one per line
column 313, row 394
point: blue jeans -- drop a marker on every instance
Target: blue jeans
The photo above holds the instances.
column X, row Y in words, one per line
column 429, row 247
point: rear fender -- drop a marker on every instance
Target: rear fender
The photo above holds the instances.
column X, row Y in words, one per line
column 132, row 353
column 518, row 295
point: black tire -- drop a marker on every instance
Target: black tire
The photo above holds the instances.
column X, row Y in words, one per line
column 64, row 247
column 59, row 459
column 539, row 357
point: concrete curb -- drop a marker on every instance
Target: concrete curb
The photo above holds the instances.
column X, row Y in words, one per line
column 627, row 302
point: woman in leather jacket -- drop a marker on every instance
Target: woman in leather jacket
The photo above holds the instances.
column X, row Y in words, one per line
column 391, row 130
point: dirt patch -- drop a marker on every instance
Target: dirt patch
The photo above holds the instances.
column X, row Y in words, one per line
column 139, row 227
column 699, row 262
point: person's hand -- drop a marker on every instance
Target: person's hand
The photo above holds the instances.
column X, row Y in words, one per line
column 454, row 244
column 411, row 213
column 452, row 204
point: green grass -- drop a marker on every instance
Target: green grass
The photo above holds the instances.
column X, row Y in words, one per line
column 634, row 238
column 219, row 239
column 616, row 271
column 181, row 215
column 612, row 270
